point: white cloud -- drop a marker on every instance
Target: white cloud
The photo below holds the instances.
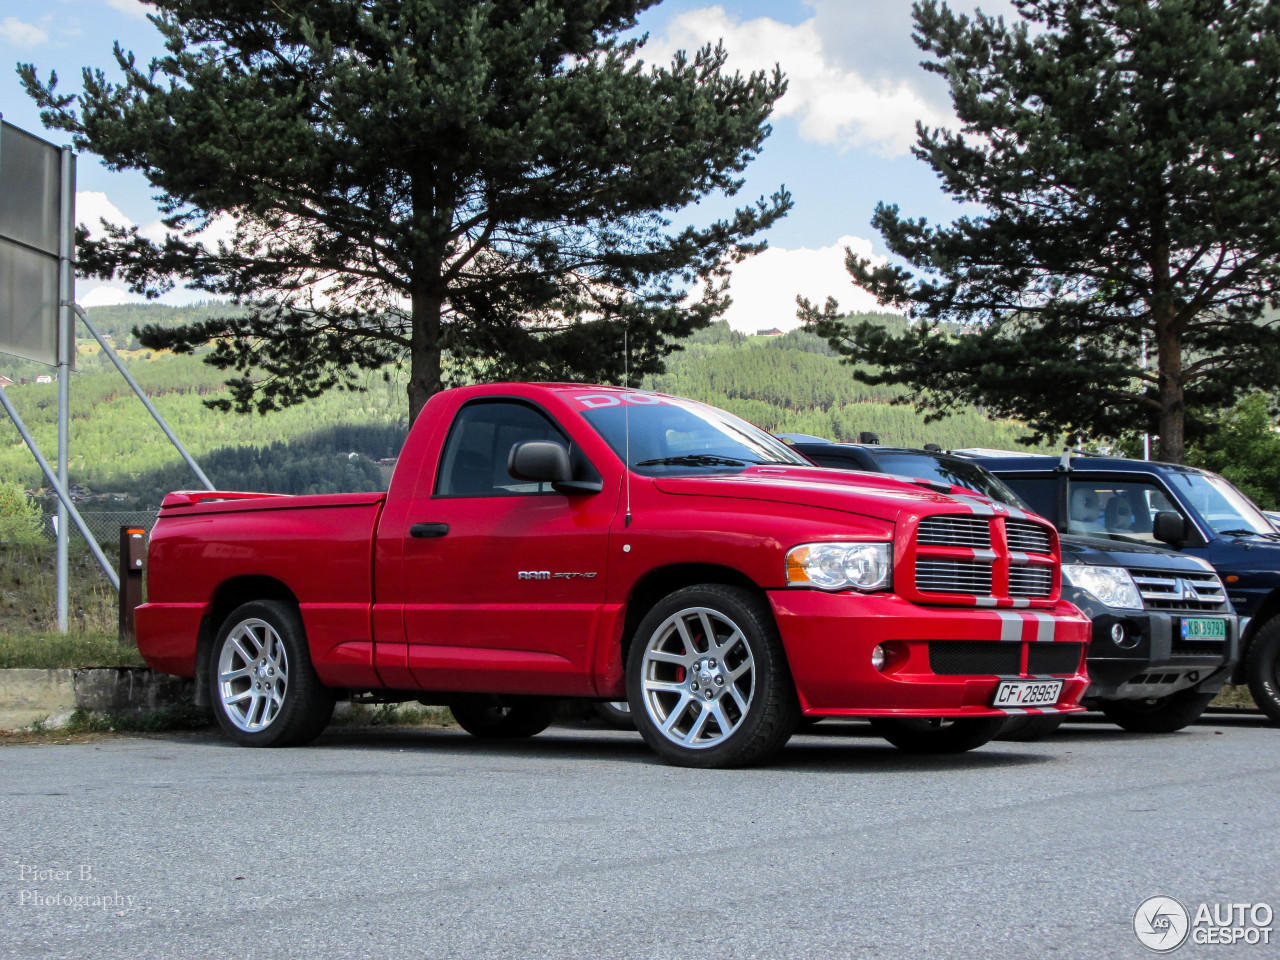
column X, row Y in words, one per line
column 22, row 34
column 764, row 287
column 105, row 295
column 833, row 103
column 131, row 7
column 92, row 206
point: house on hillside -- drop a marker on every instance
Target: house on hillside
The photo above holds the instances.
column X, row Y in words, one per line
column 5, row 381
column 771, row 332
column 44, row 378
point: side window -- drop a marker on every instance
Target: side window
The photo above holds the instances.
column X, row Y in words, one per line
column 1038, row 492
column 1118, row 508
column 474, row 461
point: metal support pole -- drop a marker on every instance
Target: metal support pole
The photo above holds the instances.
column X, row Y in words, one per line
column 107, row 349
column 63, row 497
column 66, row 344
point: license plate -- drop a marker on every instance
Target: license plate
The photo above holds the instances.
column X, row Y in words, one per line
column 1196, row 628
column 1027, row 693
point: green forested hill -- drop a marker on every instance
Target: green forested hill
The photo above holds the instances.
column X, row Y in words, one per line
column 789, row 383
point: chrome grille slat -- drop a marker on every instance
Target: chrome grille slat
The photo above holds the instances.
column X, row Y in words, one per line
column 947, row 531
column 1027, row 537
column 1030, row 581
column 1161, row 590
column 953, row 576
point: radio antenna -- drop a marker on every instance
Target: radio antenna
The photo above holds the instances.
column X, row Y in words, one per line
column 626, row 418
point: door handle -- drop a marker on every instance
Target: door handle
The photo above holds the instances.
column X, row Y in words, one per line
column 428, row 531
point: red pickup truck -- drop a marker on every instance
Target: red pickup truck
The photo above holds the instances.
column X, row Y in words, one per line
column 541, row 541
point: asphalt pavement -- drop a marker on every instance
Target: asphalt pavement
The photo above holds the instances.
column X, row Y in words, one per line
column 397, row 843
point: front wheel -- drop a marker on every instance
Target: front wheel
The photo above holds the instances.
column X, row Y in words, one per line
column 708, row 681
column 1157, row 714
column 503, row 718
column 616, row 713
column 936, row 735
column 265, row 692
column 1263, row 668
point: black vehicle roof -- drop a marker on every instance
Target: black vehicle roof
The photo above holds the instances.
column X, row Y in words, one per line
column 1043, row 463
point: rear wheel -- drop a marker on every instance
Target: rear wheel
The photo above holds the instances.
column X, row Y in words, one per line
column 1024, row 729
column 937, row 735
column 503, row 718
column 708, row 681
column 1157, row 714
column 264, row 690
column 616, row 713
column 1263, row 668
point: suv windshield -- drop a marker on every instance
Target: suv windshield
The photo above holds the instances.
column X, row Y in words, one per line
column 959, row 473
column 671, row 437
column 1222, row 506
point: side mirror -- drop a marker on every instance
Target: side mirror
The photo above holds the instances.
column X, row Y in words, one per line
column 544, row 461
column 1170, row 527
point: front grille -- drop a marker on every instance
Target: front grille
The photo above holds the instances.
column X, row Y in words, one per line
column 955, row 532
column 1054, row 658
column 952, row 658
column 1026, row 537
column 1030, row 581
column 953, row 576
column 1181, row 590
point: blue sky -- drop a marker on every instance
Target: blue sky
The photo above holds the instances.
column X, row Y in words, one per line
column 840, row 142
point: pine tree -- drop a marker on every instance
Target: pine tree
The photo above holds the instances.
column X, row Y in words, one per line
column 1122, row 158
column 491, row 181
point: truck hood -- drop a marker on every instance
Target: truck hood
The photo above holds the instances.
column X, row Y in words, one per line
column 1119, row 553
column 867, row 494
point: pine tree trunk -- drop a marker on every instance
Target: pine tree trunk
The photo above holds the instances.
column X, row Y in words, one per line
column 1168, row 360
column 424, row 352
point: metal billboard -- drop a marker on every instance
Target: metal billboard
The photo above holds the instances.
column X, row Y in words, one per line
column 30, row 240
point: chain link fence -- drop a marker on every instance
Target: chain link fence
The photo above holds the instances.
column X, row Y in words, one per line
column 105, row 525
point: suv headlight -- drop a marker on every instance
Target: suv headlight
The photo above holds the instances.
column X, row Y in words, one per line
column 1110, row 585
column 841, row 566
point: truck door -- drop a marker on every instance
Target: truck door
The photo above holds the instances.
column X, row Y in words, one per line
column 504, row 580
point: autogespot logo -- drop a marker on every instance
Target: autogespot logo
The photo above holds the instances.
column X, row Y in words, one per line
column 1161, row 924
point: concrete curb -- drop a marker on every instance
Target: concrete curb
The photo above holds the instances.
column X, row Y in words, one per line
column 29, row 695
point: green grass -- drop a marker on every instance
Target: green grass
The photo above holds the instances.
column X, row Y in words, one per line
column 179, row 716
column 28, row 593
column 1234, row 697
column 49, row 650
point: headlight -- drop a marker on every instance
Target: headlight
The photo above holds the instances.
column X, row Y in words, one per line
column 841, row 566
column 1110, row 585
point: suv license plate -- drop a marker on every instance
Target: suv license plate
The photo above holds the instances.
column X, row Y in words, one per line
column 1027, row 693
column 1196, row 628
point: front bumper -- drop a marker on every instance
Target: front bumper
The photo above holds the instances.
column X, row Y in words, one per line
column 1156, row 660
column 829, row 637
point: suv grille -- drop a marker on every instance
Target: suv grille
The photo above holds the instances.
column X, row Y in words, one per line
column 955, row 532
column 1180, row 590
column 1026, row 537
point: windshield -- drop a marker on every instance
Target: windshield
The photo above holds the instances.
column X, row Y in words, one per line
column 958, row 473
column 671, row 437
column 1224, row 508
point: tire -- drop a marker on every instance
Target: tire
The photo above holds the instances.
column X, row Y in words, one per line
column 1262, row 667
column 708, row 680
column 262, row 686
column 1028, row 728
column 924, row 736
column 1158, row 714
column 504, row 718
column 616, row 713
